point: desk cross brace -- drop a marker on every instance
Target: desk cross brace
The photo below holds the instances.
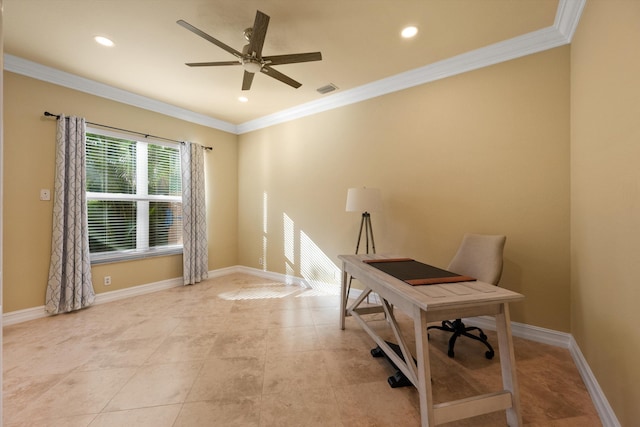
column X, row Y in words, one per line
column 407, row 366
column 443, row 412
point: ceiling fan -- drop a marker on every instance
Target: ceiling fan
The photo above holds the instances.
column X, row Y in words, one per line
column 251, row 57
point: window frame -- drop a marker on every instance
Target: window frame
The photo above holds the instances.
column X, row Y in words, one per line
column 144, row 197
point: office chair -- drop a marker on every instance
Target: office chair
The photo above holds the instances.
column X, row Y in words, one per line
column 478, row 256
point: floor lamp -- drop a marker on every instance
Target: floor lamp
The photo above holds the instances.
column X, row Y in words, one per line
column 365, row 200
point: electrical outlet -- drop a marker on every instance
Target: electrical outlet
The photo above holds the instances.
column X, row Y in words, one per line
column 107, row 280
column 45, row 194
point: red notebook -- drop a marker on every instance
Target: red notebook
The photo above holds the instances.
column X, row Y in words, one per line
column 416, row 273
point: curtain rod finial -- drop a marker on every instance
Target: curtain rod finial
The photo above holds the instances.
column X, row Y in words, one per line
column 48, row 114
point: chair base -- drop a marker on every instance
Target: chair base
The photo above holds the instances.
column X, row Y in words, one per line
column 457, row 328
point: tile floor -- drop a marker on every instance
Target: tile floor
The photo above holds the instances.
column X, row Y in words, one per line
column 245, row 351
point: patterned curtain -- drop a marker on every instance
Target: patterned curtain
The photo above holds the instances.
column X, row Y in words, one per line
column 69, row 287
column 195, row 256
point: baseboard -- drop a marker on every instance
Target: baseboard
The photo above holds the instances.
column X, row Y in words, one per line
column 557, row 339
column 278, row 277
column 564, row 340
column 521, row 330
column 607, row 416
column 33, row 313
column 19, row 316
column 133, row 291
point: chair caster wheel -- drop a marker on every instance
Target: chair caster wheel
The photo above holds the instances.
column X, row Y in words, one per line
column 489, row 354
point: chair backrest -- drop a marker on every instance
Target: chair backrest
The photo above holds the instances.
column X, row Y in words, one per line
column 479, row 256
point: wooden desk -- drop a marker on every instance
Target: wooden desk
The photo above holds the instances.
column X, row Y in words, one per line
column 435, row 303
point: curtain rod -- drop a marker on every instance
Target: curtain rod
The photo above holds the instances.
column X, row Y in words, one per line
column 146, row 135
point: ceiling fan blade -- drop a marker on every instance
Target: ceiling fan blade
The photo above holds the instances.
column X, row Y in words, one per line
column 271, row 72
column 212, row 64
column 293, row 58
column 209, row 38
column 258, row 34
column 247, row 80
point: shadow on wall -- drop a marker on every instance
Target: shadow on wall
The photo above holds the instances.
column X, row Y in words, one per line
column 303, row 257
column 511, row 276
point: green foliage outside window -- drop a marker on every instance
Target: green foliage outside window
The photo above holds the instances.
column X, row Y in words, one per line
column 111, row 169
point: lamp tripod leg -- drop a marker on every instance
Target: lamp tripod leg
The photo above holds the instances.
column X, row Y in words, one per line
column 370, row 233
column 362, row 224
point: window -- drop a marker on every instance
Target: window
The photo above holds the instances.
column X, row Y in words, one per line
column 134, row 197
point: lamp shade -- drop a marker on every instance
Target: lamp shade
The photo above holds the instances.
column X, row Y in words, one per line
column 363, row 199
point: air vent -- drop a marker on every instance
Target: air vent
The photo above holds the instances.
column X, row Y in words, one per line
column 327, row 88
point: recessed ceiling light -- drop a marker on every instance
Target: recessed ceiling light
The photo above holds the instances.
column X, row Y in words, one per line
column 103, row 41
column 243, row 99
column 409, row 32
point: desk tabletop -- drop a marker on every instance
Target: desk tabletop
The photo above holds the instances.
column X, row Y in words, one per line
column 428, row 297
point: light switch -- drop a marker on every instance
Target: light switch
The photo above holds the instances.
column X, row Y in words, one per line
column 45, row 194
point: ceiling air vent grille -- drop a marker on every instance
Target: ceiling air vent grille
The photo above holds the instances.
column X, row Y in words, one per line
column 327, row 88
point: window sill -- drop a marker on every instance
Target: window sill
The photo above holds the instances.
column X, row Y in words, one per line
column 120, row 256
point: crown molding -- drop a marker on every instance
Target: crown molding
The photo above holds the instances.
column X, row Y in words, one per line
column 568, row 17
column 37, row 71
column 526, row 44
column 565, row 23
column 561, row 33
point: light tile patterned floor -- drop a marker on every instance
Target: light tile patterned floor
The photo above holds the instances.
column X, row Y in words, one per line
column 245, row 351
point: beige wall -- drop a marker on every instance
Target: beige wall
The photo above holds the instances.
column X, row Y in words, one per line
column 1, row 168
column 605, row 199
column 29, row 149
column 486, row 152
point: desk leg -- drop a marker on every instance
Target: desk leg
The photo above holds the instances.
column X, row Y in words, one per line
column 508, row 365
column 343, row 294
column 425, row 391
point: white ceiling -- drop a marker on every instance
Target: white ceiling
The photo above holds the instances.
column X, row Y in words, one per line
column 359, row 41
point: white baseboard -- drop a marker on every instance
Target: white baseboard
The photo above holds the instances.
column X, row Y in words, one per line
column 33, row 313
column 607, row 416
column 564, row 340
column 133, row 291
column 557, row 339
column 19, row 316
column 521, row 330
column 279, row 277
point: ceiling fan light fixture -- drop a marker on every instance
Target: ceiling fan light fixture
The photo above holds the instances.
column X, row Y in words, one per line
column 251, row 65
column 409, row 32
